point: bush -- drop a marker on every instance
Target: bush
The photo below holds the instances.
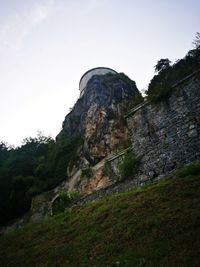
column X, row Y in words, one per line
column 107, row 169
column 63, row 200
column 74, row 196
column 129, row 166
column 160, row 86
column 136, row 100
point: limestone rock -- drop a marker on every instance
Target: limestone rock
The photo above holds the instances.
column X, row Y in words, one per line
column 98, row 116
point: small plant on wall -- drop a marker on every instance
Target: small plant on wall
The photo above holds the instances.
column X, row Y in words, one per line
column 107, row 170
column 129, row 166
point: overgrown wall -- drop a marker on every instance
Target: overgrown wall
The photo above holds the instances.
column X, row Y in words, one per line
column 167, row 134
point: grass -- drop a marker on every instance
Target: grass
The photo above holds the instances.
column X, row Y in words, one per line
column 155, row 225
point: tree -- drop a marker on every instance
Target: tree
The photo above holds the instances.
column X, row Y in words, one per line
column 3, row 152
column 196, row 41
column 162, row 64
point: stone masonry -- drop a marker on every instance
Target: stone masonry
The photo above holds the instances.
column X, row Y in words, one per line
column 167, row 134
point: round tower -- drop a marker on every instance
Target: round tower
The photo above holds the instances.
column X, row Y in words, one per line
column 88, row 75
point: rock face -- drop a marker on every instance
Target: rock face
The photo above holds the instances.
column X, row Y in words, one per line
column 98, row 116
column 98, row 119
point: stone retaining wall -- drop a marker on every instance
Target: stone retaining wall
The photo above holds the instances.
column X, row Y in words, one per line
column 167, row 134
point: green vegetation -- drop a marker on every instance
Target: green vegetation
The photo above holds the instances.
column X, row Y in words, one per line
column 107, row 169
column 136, row 100
column 128, row 167
column 63, row 200
column 161, row 86
column 37, row 166
column 192, row 169
column 155, row 225
column 162, row 65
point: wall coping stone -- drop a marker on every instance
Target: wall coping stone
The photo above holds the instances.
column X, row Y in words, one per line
column 185, row 79
column 136, row 108
column 121, row 153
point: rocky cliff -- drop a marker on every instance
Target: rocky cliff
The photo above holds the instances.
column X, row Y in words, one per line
column 98, row 124
column 98, row 116
column 165, row 136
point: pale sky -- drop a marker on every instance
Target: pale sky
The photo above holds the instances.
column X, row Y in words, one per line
column 47, row 45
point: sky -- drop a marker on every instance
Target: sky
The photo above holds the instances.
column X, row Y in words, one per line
column 47, row 45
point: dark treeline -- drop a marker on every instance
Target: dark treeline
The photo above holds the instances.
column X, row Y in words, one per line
column 36, row 166
column 167, row 74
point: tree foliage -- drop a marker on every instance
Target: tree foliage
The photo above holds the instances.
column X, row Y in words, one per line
column 38, row 165
column 129, row 166
column 161, row 86
column 196, row 41
column 64, row 200
column 162, row 64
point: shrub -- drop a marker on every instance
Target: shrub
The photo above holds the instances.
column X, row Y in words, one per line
column 107, row 170
column 129, row 166
column 136, row 100
column 63, row 200
column 60, row 203
column 74, row 196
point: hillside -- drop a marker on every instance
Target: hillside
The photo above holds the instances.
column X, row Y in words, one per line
column 155, row 225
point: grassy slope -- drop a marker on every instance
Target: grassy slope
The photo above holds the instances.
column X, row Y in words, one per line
column 157, row 225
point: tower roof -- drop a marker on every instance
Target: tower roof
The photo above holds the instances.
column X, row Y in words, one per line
column 88, row 75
